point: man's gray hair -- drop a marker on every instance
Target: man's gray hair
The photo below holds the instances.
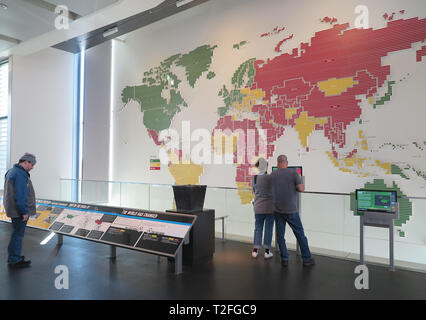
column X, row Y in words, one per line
column 282, row 158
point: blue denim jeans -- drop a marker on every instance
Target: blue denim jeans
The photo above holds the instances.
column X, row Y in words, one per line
column 260, row 221
column 15, row 245
column 296, row 225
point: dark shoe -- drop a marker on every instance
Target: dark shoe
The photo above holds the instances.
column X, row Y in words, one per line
column 20, row 264
column 284, row 263
column 309, row 263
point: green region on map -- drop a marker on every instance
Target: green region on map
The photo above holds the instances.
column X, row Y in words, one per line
column 239, row 45
column 243, row 77
column 211, row 75
column 386, row 97
column 397, row 170
column 159, row 97
column 196, row 62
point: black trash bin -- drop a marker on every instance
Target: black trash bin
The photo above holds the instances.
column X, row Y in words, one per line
column 189, row 198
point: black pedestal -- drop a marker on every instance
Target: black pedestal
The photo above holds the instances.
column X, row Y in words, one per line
column 201, row 246
column 189, row 197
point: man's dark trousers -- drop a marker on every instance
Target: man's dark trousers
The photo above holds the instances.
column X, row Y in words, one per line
column 15, row 245
column 296, row 225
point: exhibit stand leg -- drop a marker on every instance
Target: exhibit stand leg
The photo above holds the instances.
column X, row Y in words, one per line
column 186, row 239
column 178, row 261
column 391, row 256
column 361, row 241
column 113, row 252
column 60, row 239
column 223, row 225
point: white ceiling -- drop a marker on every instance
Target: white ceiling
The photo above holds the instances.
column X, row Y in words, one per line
column 27, row 19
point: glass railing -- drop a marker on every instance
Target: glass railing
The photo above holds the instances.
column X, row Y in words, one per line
column 330, row 225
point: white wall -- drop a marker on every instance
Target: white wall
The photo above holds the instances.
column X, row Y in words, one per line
column 97, row 113
column 42, row 116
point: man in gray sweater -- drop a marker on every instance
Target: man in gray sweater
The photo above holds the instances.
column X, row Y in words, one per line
column 19, row 204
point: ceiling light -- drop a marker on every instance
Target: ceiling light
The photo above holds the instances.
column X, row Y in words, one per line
column 109, row 32
column 3, row 6
column 180, row 3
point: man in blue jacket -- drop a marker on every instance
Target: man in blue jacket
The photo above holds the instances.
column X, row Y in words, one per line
column 19, row 204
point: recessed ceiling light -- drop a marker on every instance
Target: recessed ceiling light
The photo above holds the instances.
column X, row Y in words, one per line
column 180, row 3
column 110, row 32
column 3, row 6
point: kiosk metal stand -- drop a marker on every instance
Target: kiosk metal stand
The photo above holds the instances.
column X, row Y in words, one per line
column 380, row 220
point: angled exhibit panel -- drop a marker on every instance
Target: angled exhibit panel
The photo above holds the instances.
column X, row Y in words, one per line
column 155, row 232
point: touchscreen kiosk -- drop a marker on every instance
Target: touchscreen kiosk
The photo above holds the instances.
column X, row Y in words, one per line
column 377, row 208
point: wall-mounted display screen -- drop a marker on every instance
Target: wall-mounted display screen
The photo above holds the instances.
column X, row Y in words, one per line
column 376, row 200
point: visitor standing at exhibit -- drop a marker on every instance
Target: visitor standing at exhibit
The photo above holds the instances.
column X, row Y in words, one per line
column 19, row 204
column 286, row 184
column 263, row 210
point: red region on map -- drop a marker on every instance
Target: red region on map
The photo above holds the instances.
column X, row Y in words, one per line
column 153, row 134
column 420, row 53
column 276, row 30
column 329, row 20
column 278, row 46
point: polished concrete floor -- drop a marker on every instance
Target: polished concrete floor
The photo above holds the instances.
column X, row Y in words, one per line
column 232, row 275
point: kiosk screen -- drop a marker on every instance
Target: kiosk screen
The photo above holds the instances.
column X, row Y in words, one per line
column 298, row 168
column 374, row 200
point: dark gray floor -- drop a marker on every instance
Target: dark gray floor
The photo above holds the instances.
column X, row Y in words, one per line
column 232, row 274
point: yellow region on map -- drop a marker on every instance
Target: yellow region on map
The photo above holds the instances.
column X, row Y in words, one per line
column 186, row 173
column 355, row 163
column 249, row 99
column 384, row 165
column 290, row 112
column 245, row 192
column 305, row 125
column 223, row 143
column 363, row 143
column 334, row 87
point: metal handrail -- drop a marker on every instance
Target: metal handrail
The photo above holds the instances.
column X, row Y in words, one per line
column 218, row 187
